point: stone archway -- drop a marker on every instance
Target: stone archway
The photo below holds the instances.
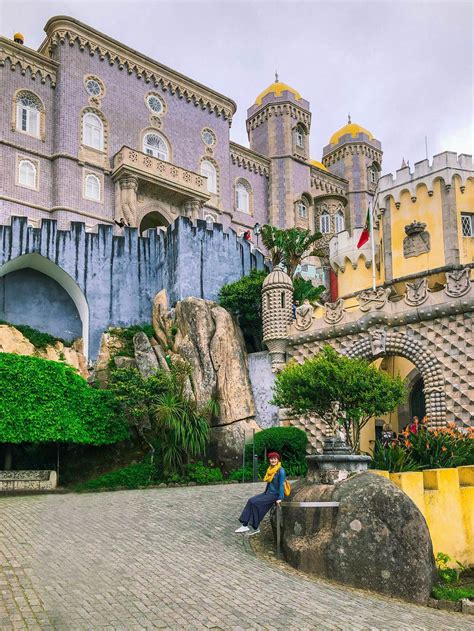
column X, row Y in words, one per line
column 48, row 268
column 153, row 216
column 380, row 343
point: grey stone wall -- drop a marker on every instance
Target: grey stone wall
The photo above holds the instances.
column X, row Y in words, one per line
column 116, row 277
column 262, row 379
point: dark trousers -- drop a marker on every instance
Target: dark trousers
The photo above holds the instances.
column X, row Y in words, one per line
column 256, row 509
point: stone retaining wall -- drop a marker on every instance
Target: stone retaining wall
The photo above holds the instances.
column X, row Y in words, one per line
column 28, row 480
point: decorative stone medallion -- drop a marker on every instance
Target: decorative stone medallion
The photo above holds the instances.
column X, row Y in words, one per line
column 416, row 292
column 458, row 282
column 378, row 340
column 417, row 240
column 304, row 316
column 373, row 299
column 334, row 311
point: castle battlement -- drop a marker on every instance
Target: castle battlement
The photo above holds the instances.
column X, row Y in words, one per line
column 444, row 166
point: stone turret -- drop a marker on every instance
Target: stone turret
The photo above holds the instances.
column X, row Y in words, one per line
column 277, row 301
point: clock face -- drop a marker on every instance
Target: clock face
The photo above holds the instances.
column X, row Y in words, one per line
column 154, row 104
column 208, row 137
column 93, row 88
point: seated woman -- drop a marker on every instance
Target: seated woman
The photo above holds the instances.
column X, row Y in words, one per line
column 259, row 505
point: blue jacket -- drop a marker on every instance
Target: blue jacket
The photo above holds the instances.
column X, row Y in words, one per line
column 277, row 484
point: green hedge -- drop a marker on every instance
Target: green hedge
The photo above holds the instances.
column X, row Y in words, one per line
column 46, row 401
column 134, row 476
column 289, row 442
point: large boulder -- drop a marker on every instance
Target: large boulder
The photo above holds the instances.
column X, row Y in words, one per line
column 227, row 443
column 377, row 539
column 146, row 360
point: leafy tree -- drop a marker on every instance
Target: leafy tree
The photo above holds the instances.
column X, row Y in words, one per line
column 290, row 247
column 161, row 405
column 360, row 390
column 305, row 290
column 243, row 299
column 48, row 402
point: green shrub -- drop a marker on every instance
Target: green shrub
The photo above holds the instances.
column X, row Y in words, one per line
column 305, row 290
column 126, row 337
column 132, row 477
column 289, row 442
column 394, row 458
column 449, row 592
column 37, row 338
column 448, row 573
column 440, row 448
column 46, row 401
column 203, row 474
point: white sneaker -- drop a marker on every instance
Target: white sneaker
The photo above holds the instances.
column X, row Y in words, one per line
column 243, row 529
column 255, row 532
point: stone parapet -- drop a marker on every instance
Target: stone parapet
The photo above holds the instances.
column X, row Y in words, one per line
column 446, row 499
column 343, row 248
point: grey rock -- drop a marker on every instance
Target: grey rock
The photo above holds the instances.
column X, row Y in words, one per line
column 145, row 357
column 227, row 442
column 125, row 362
column 377, row 539
column 467, row 606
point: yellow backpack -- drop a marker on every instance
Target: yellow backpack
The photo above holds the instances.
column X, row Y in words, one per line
column 286, row 487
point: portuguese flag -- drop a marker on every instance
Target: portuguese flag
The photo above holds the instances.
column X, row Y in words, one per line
column 364, row 235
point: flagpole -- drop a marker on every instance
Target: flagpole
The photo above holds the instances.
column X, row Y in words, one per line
column 372, row 242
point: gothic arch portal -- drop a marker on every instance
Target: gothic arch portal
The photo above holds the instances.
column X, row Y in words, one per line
column 48, row 268
column 380, row 343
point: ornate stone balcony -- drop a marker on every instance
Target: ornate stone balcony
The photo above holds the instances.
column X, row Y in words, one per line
column 186, row 184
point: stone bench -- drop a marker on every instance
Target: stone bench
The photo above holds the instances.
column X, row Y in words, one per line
column 27, row 480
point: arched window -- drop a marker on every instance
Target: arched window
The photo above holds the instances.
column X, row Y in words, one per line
column 302, row 209
column 242, row 198
column 325, row 222
column 154, row 145
column 209, row 171
column 299, row 137
column 209, row 219
column 93, row 131
column 27, row 174
column 92, row 187
column 28, row 108
column 340, row 221
column 373, row 176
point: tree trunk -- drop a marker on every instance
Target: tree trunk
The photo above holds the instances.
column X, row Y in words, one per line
column 7, row 457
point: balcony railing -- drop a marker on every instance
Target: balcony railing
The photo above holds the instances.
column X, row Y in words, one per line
column 165, row 174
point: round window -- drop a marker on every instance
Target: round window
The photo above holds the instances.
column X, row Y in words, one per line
column 154, row 103
column 93, row 87
column 208, row 137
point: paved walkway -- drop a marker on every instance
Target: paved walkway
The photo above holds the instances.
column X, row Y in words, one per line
column 167, row 558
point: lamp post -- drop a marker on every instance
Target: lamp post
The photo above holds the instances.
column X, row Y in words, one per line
column 257, row 229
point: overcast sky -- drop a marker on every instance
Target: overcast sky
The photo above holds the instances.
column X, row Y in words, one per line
column 402, row 69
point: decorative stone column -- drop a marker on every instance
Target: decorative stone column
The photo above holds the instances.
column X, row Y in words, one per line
column 277, row 304
column 192, row 209
column 127, row 208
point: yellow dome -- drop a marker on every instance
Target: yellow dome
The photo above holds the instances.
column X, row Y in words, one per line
column 19, row 36
column 320, row 165
column 351, row 128
column 277, row 88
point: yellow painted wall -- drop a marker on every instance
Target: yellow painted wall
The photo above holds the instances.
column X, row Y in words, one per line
column 465, row 204
column 428, row 210
column 446, row 499
column 351, row 280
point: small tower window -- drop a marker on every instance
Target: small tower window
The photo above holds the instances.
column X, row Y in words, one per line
column 209, row 171
column 93, row 132
column 282, row 298
column 302, row 210
column 210, row 219
column 339, row 221
column 154, row 145
column 467, row 224
column 92, row 187
column 373, row 176
column 28, row 114
column 299, row 137
column 242, row 198
column 27, row 174
column 325, row 223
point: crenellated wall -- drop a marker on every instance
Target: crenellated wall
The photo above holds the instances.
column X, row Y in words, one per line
column 446, row 499
column 113, row 279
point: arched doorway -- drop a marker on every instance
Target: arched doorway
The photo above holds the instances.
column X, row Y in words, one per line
column 417, row 400
column 37, row 292
column 153, row 219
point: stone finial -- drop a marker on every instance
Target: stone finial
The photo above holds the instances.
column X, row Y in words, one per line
column 277, row 305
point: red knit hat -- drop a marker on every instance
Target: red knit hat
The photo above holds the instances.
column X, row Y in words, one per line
column 273, row 454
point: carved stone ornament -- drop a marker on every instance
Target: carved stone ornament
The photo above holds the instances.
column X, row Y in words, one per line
column 417, row 292
column 458, row 282
column 334, row 311
column 378, row 340
column 417, row 240
column 373, row 299
column 304, row 316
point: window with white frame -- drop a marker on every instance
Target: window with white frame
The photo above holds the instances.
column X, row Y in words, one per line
column 28, row 114
column 92, row 187
column 93, row 131
column 155, row 145
column 27, row 174
column 325, row 222
column 302, row 210
column 340, row 221
column 299, row 137
column 242, row 198
column 209, row 171
column 467, row 224
column 209, row 219
column 373, row 176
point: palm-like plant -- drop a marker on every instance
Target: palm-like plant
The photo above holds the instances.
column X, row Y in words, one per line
column 290, row 247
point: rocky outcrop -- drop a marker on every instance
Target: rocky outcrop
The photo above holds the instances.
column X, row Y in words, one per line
column 13, row 341
column 147, row 362
column 377, row 539
column 110, row 346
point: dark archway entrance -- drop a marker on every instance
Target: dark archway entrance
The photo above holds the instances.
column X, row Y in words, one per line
column 153, row 220
column 417, row 400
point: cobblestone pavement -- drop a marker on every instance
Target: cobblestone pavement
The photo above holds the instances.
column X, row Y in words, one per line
column 167, row 558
